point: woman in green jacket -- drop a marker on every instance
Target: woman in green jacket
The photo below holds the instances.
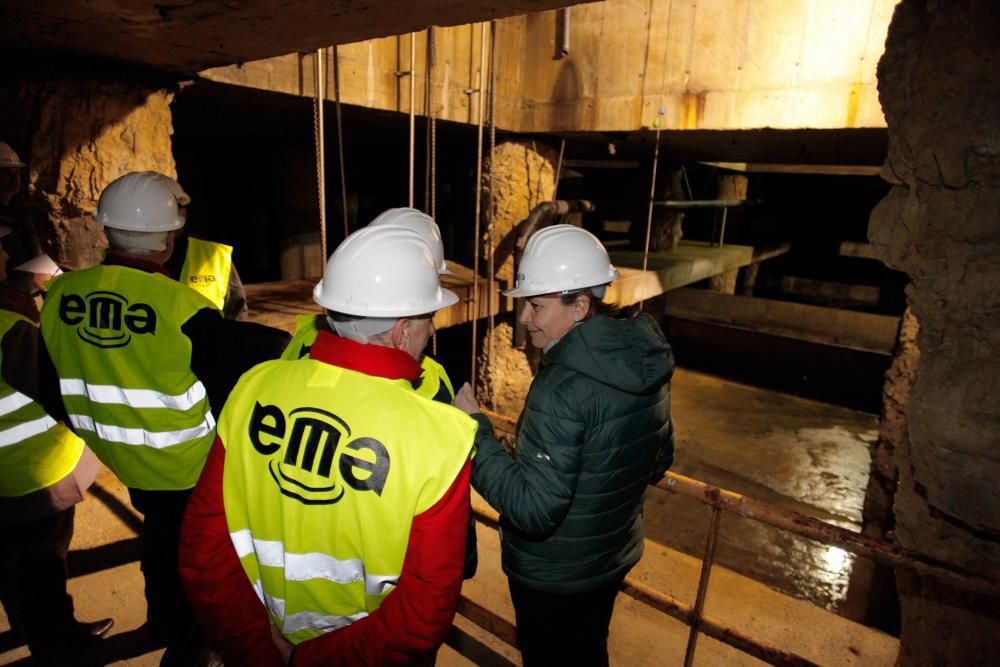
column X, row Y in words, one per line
column 594, row 432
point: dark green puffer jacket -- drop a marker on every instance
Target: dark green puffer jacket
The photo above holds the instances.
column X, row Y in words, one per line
column 595, row 429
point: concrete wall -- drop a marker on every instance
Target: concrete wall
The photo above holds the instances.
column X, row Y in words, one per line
column 715, row 64
column 939, row 87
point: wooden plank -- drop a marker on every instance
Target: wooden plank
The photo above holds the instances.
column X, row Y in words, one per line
column 829, row 326
column 690, row 262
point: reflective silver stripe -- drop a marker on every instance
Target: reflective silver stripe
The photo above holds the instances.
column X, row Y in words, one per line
column 314, row 565
column 25, row 430
column 135, row 398
column 242, row 542
column 306, row 620
column 15, row 401
column 142, row 437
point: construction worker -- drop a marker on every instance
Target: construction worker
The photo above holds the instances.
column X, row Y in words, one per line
column 44, row 471
column 143, row 364
column 22, row 242
column 332, row 510
column 434, row 382
column 207, row 266
column 595, row 431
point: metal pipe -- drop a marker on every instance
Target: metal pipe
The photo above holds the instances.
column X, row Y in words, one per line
column 563, row 23
column 479, row 197
column 706, row 572
column 705, row 203
column 413, row 118
column 882, row 552
column 711, row 627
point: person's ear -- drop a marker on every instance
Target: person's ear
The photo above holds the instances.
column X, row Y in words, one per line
column 580, row 307
column 400, row 333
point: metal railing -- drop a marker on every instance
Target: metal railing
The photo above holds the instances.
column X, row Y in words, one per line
column 721, row 500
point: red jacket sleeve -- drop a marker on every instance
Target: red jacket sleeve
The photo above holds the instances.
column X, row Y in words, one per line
column 414, row 619
column 227, row 607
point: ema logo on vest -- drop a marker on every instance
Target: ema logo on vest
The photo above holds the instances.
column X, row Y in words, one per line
column 106, row 319
column 305, row 471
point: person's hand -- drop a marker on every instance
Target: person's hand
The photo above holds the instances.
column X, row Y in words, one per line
column 284, row 646
column 465, row 400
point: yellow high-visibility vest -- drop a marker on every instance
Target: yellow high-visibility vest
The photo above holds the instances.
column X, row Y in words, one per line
column 114, row 335
column 325, row 470
column 432, row 378
column 206, row 269
column 36, row 451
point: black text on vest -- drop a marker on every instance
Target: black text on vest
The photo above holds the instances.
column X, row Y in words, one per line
column 106, row 319
column 302, row 448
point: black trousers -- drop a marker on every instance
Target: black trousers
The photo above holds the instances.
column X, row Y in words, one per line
column 168, row 614
column 555, row 629
column 34, row 590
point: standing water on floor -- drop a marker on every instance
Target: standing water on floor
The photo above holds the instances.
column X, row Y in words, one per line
column 794, row 453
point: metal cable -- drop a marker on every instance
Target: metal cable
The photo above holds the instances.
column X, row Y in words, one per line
column 492, row 207
column 340, row 141
column 318, row 136
column 649, row 214
column 413, row 118
column 479, row 195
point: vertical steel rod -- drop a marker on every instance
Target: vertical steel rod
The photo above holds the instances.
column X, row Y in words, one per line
column 649, row 213
column 706, row 571
column 320, row 132
column 340, row 139
column 479, row 196
column 413, row 118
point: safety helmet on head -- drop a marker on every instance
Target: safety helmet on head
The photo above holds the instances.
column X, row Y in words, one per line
column 142, row 201
column 422, row 224
column 562, row 258
column 8, row 157
column 383, row 271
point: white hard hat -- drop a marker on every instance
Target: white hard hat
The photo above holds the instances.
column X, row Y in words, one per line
column 142, row 201
column 9, row 158
column 422, row 224
column 562, row 258
column 382, row 271
column 41, row 264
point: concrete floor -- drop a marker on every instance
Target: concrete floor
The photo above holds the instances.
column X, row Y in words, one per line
column 793, row 453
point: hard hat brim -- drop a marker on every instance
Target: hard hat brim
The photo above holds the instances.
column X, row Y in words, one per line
column 448, row 298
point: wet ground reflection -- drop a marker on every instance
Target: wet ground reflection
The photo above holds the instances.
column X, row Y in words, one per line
column 797, row 454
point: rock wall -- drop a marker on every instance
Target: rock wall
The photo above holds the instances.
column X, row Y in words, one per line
column 940, row 91
column 82, row 133
column 523, row 177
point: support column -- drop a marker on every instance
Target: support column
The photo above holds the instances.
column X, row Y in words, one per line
column 941, row 97
column 523, row 177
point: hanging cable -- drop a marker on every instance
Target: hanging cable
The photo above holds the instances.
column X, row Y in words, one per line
column 318, row 134
column 413, row 117
column 491, row 213
column 479, row 196
column 430, row 172
column 340, row 140
column 649, row 214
